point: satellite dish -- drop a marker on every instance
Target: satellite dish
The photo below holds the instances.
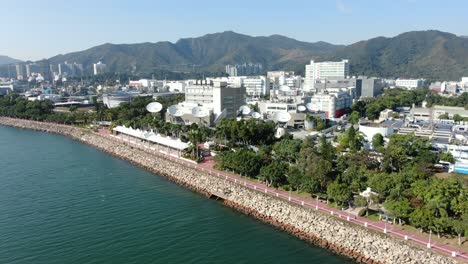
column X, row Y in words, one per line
column 309, row 106
column 176, row 110
column 285, row 88
column 282, row 117
column 154, row 107
column 256, row 115
column 280, row 132
column 245, row 110
column 200, row 112
column 301, row 108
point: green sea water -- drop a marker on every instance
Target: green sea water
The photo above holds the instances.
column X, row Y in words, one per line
column 65, row 202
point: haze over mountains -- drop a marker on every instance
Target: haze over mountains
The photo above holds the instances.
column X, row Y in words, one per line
column 7, row 60
column 429, row 54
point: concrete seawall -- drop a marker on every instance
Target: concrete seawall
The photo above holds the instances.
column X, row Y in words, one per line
column 341, row 237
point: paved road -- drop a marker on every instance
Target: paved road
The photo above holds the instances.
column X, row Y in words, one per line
column 379, row 226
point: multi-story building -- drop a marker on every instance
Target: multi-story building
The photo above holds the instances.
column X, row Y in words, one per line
column 325, row 85
column 277, row 74
column 328, row 70
column 293, row 81
column 99, row 68
column 409, row 83
column 256, row 86
column 45, row 70
column 269, row 108
column 333, row 104
column 8, row 85
column 231, row 70
column 70, row 69
column 20, row 71
column 216, row 95
column 31, row 68
column 368, row 87
column 176, row 86
column 245, row 69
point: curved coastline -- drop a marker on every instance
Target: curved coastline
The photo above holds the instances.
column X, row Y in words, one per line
column 360, row 244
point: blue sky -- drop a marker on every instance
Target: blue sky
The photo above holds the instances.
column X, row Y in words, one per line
column 34, row 29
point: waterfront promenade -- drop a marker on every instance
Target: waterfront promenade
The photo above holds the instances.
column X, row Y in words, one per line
column 306, row 219
column 378, row 226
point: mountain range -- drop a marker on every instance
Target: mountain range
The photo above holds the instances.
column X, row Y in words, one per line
column 428, row 54
column 7, row 60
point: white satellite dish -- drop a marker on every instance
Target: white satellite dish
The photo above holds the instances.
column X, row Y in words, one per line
column 200, row 112
column 285, row 88
column 280, row 132
column 154, row 107
column 301, row 108
column 282, row 117
column 245, row 110
column 256, row 115
column 309, row 106
column 176, row 110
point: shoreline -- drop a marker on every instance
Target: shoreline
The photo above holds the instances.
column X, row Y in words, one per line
column 355, row 242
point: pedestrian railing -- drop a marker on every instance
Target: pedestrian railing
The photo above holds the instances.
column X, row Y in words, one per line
column 318, row 206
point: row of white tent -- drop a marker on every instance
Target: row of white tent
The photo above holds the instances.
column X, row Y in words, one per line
column 152, row 137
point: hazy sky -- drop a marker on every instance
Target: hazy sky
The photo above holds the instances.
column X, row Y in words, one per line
column 34, row 29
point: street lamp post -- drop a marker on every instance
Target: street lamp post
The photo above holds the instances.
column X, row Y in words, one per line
column 429, row 243
column 316, row 205
column 385, row 228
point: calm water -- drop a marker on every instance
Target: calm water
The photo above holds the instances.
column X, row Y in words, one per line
column 64, row 202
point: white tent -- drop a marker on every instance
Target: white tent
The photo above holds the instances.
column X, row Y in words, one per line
column 152, row 137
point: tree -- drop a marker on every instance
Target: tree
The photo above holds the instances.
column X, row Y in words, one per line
column 457, row 118
column 317, row 172
column 351, row 139
column 326, row 149
column 447, row 156
column 295, row 177
column 360, row 201
column 339, row 192
column 422, row 218
column 354, row 117
column 400, row 209
column 377, row 141
column 444, row 116
column 273, row 174
column 460, row 226
column 287, row 149
column 242, row 161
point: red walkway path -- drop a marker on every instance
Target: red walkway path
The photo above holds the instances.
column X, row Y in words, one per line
column 379, row 226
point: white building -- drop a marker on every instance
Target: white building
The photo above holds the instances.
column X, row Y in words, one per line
column 256, row 86
column 409, row 83
column 333, row 104
column 99, row 68
column 464, row 81
column 425, row 114
column 9, row 85
column 269, row 108
column 369, row 130
column 70, row 69
column 216, row 95
column 176, row 86
column 328, row 70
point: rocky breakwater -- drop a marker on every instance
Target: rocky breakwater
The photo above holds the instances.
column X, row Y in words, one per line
column 358, row 243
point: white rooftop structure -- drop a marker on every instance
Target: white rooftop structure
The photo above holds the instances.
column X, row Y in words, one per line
column 152, row 137
column 367, row 193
